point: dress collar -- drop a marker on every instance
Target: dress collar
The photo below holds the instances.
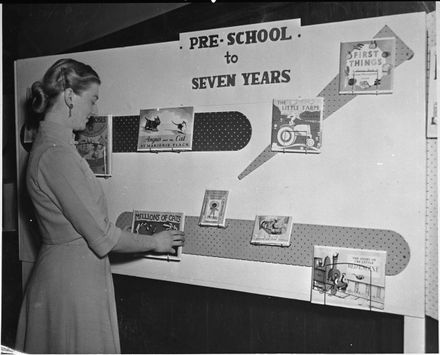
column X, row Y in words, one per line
column 57, row 131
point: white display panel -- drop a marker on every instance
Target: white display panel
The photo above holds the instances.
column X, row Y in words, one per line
column 370, row 172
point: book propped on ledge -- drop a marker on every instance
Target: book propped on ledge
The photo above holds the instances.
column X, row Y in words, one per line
column 348, row 277
column 166, row 129
column 272, row 230
column 213, row 211
column 151, row 222
column 297, row 125
column 94, row 144
column 367, row 67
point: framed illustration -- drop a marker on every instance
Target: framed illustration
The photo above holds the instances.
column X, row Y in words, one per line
column 151, row 222
column 213, row 211
column 94, row 144
column 166, row 129
column 367, row 67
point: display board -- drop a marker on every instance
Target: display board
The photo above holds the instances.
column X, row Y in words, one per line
column 369, row 174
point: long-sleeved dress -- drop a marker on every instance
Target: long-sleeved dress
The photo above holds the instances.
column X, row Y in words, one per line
column 69, row 303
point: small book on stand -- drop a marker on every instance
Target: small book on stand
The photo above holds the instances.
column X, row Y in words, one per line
column 272, row 230
column 213, row 211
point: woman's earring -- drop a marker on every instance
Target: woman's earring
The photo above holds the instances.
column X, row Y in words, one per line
column 70, row 110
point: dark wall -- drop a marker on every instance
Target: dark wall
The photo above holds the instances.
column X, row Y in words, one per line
column 163, row 317
column 202, row 16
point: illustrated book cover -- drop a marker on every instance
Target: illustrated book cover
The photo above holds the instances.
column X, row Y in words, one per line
column 151, row 222
column 272, row 230
column 297, row 125
column 367, row 67
column 94, row 144
column 213, row 211
column 166, row 129
column 348, row 277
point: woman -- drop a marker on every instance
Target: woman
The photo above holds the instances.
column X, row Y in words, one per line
column 69, row 304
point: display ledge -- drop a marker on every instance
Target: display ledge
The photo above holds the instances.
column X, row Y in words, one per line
column 233, row 242
column 277, row 280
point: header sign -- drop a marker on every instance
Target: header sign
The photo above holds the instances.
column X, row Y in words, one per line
column 242, row 56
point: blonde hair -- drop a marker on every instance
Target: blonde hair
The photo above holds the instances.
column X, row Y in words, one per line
column 63, row 74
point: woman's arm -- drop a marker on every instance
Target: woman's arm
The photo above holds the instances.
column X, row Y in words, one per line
column 162, row 242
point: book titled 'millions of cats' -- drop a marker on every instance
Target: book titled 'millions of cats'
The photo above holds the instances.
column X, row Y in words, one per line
column 151, row 222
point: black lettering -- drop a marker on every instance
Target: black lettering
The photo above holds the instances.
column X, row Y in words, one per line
column 251, row 36
column 238, row 38
column 286, row 75
column 193, row 41
column 262, row 35
column 245, row 78
column 254, row 77
column 231, row 38
column 284, row 35
column 275, row 76
column 274, row 34
column 265, row 78
column 195, row 83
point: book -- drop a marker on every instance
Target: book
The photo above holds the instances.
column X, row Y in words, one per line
column 213, row 211
column 166, row 129
column 151, row 222
column 272, row 230
column 94, row 144
column 297, row 125
column 367, row 67
column 348, row 277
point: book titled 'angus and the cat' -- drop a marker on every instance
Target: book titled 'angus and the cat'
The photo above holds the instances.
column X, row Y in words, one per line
column 166, row 129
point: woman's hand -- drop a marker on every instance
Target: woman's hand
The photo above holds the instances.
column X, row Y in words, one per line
column 166, row 240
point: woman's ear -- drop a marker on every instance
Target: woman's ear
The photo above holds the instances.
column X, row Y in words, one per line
column 68, row 97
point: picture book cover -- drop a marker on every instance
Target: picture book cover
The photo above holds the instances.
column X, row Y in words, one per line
column 94, row 144
column 151, row 222
column 297, row 125
column 213, row 211
column 272, row 230
column 166, row 129
column 367, row 67
column 348, row 277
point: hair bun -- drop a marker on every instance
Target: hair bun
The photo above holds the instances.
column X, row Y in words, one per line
column 38, row 97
